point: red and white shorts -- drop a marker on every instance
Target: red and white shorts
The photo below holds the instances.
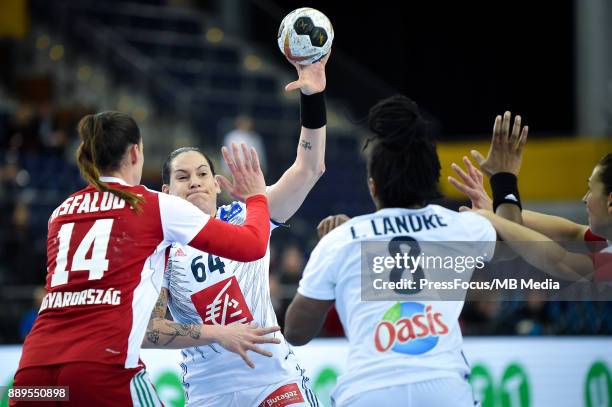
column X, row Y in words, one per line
column 91, row 384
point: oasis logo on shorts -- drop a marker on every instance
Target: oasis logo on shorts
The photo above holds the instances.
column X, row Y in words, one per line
column 409, row 327
column 284, row 396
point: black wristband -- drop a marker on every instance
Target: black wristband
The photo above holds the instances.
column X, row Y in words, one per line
column 504, row 186
column 313, row 114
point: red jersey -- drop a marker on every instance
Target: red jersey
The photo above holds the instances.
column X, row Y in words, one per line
column 105, row 266
column 602, row 258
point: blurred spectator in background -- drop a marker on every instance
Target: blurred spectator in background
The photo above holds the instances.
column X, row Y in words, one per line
column 244, row 133
column 533, row 317
column 52, row 139
column 276, row 296
column 291, row 265
column 288, row 271
column 24, row 257
column 25, row 325
column 23, row 132
column 486, row 316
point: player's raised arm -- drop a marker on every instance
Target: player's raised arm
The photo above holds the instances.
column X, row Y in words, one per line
column 546, row 255
column 288, row 193
column 502, row 166
column 505, row 155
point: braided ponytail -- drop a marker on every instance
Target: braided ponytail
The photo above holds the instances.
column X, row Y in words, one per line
column 104, row 139
column 402, row 161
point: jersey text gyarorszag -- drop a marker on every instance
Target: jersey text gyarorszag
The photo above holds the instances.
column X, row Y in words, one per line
column 91, row 296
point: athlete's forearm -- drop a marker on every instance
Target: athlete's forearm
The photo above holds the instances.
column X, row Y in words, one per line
column 510, row 212
column 289, row 192
column 310, row 156
column 554, row 227
column 165, row 334
column 540, row 251
column 248, row 242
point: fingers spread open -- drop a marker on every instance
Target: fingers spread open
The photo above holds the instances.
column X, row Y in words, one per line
column 266, row 339
column 237, row 159
column 523, row 139
column 227, row 157
column 246, row 359
column 269, row 330
column 516, row 129
column 337, row 221
column 474, row 172
column 463, row 175
column 497, row 130
column 248, row 165
column 224, row 183
column 506, row 126
column 461, row 187
column 471, row 170
column 254, row 160
column 477, row 157
column 261, row 351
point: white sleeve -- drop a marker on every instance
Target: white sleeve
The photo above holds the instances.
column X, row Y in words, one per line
column 180, row 219
column 318, row 280
column 167, row 265
column 482, row 231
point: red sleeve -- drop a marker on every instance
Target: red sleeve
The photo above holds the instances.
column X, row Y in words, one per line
column 589, row 236
column 602, row 264
column 593, row 242
column 248, row 242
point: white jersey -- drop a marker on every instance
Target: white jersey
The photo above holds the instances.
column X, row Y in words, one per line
column 215, row 291
column 426, row 341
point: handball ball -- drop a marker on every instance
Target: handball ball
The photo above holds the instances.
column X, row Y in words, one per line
column 305, row 36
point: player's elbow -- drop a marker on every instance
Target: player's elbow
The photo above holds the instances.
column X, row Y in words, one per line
column 254, row 252
column 311, row 173
column 320, row 170
column 294, row 336
column 298, row 329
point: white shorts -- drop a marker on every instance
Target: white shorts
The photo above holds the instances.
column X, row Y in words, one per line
column 446, row 392
column 294, row 392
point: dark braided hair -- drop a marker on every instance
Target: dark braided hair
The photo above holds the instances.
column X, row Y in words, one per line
column 402, row 161
column 167, row 167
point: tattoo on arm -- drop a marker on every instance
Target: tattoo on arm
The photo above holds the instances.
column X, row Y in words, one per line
column 169, row 331
column 161, row 328
column 159, row 311
column 306, row 144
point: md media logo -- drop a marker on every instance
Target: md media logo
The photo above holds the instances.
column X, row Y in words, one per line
column 410, row 328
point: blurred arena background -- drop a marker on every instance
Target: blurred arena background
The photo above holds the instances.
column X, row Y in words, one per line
column 192, row 71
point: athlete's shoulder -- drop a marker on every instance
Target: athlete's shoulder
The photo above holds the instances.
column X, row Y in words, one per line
column 180, row 252
column 342, row 234
column 477, row 227
column 447, row 213
column 232, row 212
